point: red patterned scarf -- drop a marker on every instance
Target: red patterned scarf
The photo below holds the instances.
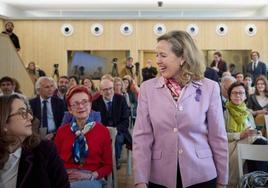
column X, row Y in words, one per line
column 174, row 88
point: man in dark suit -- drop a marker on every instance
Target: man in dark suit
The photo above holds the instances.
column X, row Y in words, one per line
column 47, row 108
column 211, row 74
column 256, row 67
column 114, row 113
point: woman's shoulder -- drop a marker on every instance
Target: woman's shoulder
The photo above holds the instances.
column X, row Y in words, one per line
column 100, row 126
column 45, row 148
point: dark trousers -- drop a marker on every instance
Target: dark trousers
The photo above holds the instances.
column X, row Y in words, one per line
column 208, row 184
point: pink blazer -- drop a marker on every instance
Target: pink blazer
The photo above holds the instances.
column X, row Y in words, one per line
column 190, row 132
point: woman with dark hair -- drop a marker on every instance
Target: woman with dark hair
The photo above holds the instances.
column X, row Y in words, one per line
column 25, row 160
column 258, row 102
column 84, row 145
column 239, row 126
column 132, row 97
column 87, row 82
column 73, row 81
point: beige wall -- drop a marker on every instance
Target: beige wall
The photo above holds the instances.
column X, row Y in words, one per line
column 1, row 25
column 42, row 41
column 11, row 65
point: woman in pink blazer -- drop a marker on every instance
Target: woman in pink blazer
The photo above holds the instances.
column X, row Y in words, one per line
column 179, row 134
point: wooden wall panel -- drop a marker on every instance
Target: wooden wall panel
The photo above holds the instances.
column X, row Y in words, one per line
column 2, row 27
column 43, row 42
column 11, row 65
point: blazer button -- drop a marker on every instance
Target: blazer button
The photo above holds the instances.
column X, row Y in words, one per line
column 175, row 130
column 180, row 151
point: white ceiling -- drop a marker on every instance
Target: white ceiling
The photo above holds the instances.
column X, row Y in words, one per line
column 134, row 9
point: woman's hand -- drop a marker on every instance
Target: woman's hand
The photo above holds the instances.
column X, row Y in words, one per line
column 141, row 185
column 248, row 132
column 76, row 175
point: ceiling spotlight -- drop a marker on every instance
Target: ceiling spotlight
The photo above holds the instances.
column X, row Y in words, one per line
column 159, row 3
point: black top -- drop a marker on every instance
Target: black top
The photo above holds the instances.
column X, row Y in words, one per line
column 148, row 73
column 42, row 168
column 14, row 38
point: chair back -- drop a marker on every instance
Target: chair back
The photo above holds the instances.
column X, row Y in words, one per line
column 251, row 152
column 112, row 178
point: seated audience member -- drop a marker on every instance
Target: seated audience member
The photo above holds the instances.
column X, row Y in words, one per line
column 73, row 81
column 226, row 73
column 248, row 83
column 25, row 160
column 132, row 99
column 226, row 81
column 91, row 87
column 211, row 74
column 114, row 113
column 240, row 127
column 120, row 89
column 232, row 69
column 84, row 145
column 47, row 108
column 239, row 77
column 133, row 86
column 17, row 86
column 7, row 85
column 63, row 84
column 258, row 102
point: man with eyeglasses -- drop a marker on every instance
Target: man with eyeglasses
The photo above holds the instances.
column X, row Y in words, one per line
column 114, row 113
column 47, row 108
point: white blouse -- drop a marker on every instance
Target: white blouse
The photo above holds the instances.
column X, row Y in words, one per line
column 8, row 175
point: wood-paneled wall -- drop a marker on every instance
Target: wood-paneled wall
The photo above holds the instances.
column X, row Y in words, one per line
column 11, row 65
column 1, row 25
column 43, row 42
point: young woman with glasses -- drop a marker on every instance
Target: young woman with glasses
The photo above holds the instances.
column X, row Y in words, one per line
column 25, row 160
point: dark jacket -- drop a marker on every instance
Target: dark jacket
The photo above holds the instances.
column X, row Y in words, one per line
column 42, row 168
column 58, row 109
column 14, row 38
column 259, row 70
column 211, row 74
column 120, row 114
column 222, row 66
column 148, row 73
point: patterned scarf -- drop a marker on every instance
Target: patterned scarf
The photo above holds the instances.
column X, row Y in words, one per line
column 80, row 147
column 237, row 118
column 174, row 88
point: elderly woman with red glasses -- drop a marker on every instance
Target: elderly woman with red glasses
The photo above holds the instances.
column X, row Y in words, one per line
column 84, row 145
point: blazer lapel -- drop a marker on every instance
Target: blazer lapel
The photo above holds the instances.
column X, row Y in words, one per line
column 192, row 89
column 38, row 107
column 25, row 166
column 54, row 108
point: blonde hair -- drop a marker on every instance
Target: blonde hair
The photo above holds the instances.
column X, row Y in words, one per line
column 184, row 46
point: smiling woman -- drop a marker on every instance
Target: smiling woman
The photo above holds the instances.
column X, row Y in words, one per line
column 22, row 151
